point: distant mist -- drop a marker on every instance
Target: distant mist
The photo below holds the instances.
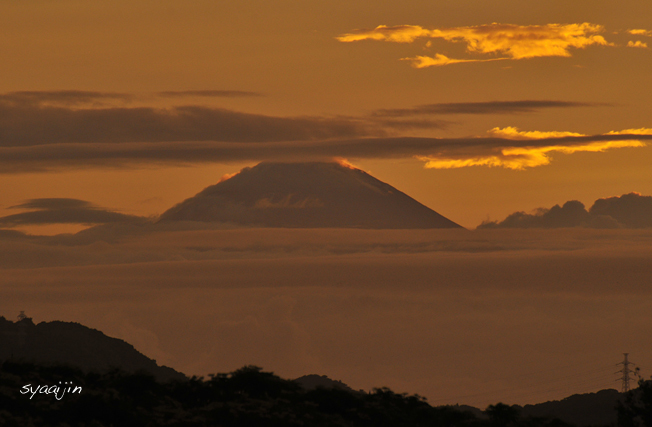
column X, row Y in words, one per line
column 369, row 307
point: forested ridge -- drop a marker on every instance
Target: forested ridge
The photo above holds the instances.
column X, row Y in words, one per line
column 246, row 397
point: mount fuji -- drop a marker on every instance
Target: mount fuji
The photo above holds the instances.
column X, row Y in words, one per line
column 306, row 195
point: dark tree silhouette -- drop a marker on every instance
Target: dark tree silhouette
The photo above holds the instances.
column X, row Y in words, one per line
column 636, row 410
column 502, row 415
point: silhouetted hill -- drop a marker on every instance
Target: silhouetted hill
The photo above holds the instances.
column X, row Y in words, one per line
column 306, row 195
column 75, row 345
column 312, row 381
column 250, row 397
column 589, row 409
column 247, row 397
column 139, row 393
column 478, row 413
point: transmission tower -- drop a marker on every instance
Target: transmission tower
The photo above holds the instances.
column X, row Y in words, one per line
column 626, row 371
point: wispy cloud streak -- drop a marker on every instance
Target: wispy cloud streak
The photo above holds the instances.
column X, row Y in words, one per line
column 67, row 98
column 511, row 41
column 491, row 107
column 36, row 136
column 535, row 148
column 64, row 211
column 436, row 152
column 75, row 98
column 441, row 60
column 22, row 125
column 208, row 93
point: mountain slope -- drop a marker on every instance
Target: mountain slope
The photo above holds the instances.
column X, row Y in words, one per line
column 588, row 409
column 313, row 381
column 306, row 195
column 76, row 345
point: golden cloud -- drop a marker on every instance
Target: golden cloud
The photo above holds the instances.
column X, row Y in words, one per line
column 640, row 32
column 514, row 133
column 524, row 156
column 440, row 60
column 514, row 41
column 637, row 43
column 397, row 33
column 491, row 161
column 639, row 131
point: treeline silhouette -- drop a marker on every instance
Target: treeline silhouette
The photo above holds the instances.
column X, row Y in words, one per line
column 141, row 393
column 636, row 409
column 245, row 397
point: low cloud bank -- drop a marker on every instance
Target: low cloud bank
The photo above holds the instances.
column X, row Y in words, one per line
column 370, row 307
column 627, row 211
column 64, row 211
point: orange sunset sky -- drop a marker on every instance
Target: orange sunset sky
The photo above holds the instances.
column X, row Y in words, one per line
column 476, row 109
column 323, row 61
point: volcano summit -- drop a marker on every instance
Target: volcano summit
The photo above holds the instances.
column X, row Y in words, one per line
column 306, row 195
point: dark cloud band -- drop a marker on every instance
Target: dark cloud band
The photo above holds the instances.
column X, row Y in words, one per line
column 61, row 97
column 64, row 211
column 493, row 107
column 208, row 93
column 48, row 130
column 55, row 156
column 32, row 125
